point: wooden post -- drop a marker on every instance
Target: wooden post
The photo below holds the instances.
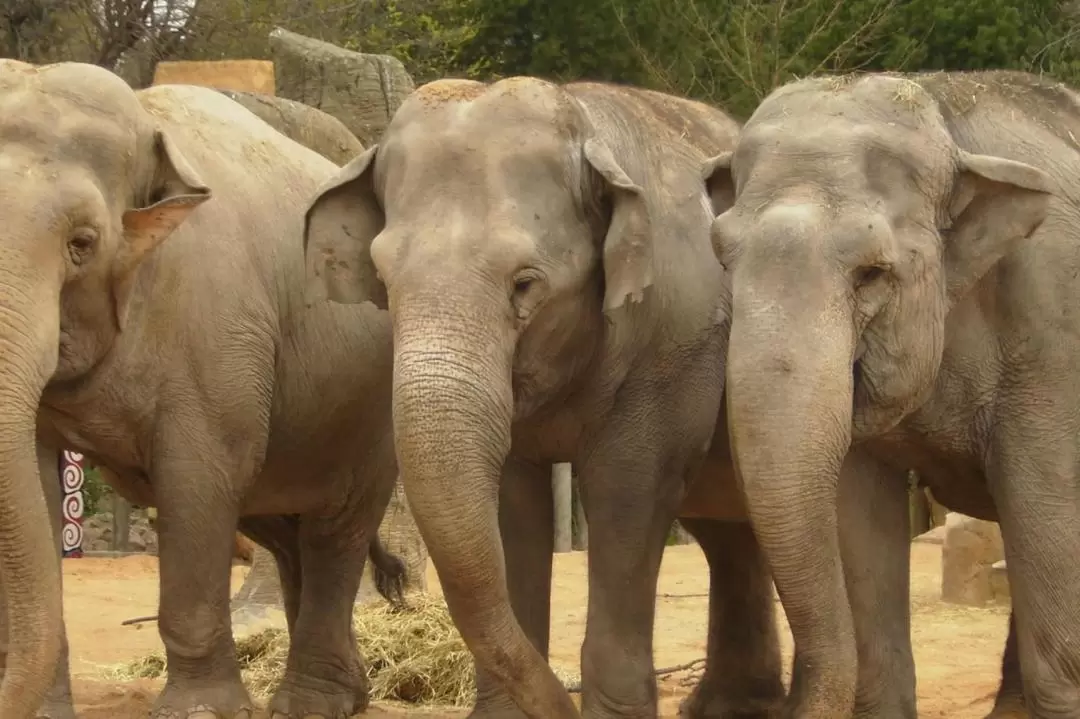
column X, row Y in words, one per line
column 562, row 492
column 580, row 540
column 121, row 523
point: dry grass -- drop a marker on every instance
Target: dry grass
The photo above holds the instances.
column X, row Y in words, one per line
column 415, row 655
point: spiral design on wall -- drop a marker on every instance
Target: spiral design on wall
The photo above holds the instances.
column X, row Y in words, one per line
column 72, row 478
column 73, row 506
column 73, row 457
column 72, row 536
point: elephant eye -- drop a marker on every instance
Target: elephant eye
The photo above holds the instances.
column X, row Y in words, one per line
column 869, row 274
column 522, row 285
column 81, row 245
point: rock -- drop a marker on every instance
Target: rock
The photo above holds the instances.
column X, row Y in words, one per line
column 970, row 549
column 934, row 536
column 999, row 583
column 363, row 91
column 314, row 129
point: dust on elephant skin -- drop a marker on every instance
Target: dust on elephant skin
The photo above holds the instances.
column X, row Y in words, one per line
column 154, row 239
column 545, row 255
column 902, row 257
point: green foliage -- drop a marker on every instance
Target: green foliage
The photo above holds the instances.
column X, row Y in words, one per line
column 96, row 493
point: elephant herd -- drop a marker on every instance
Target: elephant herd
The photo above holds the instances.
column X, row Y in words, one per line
column 757, row 329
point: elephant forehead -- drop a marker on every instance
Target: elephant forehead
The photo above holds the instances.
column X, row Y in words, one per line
column 58, row 131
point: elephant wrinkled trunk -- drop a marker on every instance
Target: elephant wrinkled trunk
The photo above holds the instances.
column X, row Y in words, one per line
column 453, row 407
column 789, row 391
column 29, row 565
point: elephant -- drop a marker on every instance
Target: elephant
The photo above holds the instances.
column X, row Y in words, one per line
column 543, row 251
column 901, row 261
column 156, row 321
column 389, row 576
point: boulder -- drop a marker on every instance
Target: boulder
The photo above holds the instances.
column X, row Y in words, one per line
column 970, row 549
column 312, row 128
column 361, row 90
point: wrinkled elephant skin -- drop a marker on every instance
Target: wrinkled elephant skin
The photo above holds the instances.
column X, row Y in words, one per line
column 902, row 261
column 545, row 257
column 168, row 288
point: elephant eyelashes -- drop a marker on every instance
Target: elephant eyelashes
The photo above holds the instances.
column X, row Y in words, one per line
column 81, row 246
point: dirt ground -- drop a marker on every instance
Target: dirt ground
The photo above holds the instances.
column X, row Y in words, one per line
column 957, row 649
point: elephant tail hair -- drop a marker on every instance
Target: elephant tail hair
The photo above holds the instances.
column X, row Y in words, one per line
column 389, row 572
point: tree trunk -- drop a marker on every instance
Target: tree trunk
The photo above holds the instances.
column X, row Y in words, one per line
column 563, row 494
column 121, row 523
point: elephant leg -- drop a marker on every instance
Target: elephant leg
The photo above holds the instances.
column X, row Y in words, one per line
column 1033, row 482
column 743, row 667
column 632, row 481
column 526, row 524
column 325, row 675
column 1010, row 697
column 280, row 535
column 58, row 702
column 195, row 483
column 875, row 539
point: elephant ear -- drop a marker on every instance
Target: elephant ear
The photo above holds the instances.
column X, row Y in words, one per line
column 995, row 205
column 628, row 250
column 339, row 227
column 175, row 190
column 719, row 184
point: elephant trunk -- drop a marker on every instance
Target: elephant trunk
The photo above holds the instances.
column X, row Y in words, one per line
column 453, row 407
column 789, row 393
column 29, row 563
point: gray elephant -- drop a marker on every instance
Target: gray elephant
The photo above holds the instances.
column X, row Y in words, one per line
column 156, row 321
column 902, row 260
column 545, row 257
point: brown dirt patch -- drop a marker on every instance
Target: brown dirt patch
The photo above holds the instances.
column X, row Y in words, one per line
column 957, row 649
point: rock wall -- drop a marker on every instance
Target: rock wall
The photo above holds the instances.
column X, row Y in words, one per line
column 361, row 90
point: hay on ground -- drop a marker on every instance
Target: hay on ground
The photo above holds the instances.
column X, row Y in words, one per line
column 415, row 655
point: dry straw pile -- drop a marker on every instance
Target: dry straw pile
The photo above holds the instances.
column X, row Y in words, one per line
column 413, row 655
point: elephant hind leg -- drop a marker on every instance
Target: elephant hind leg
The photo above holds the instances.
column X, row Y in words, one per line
column 325, row 674
column 743, row 667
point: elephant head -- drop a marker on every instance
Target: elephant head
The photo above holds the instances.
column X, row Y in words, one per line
column 90, row 188
column 503, row 235
column 858, row 222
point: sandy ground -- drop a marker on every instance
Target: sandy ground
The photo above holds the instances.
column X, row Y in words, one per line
column 957, row 649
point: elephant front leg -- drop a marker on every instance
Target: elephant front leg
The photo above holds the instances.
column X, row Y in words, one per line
column 526, row 523
column 58, row 703
column 875, row 541
column 631, row 503
column 1033, row 482
column 197, row 518
column 743, row 668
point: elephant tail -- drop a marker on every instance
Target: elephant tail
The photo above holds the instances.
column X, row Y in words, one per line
column 389, row 573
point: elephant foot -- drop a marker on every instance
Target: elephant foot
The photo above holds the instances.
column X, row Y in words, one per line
column 223, row 700
column 702, row 704
column 56, row 710
column 503, row 708
column 293, row 701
